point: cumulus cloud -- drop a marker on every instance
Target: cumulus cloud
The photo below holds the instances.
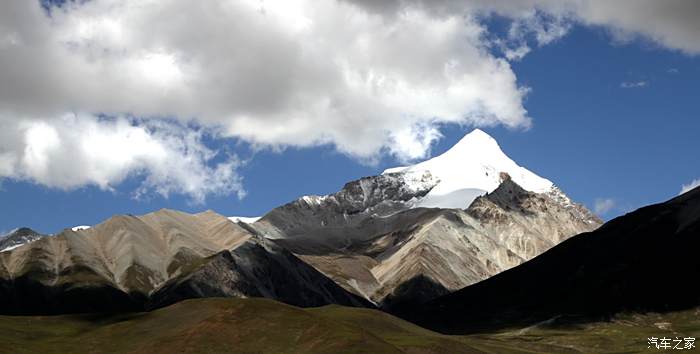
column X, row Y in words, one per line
column 280, row 73
column 368, row 77
column 77, row 150
column 603, row 205
column 690, row 186
column 634, row 84
column 537, row 27
column 671, row 23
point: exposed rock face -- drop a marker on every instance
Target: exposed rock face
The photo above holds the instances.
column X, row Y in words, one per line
column 643, row 261
column 415, row 254
column 511, row 214
column 338, row 215
column 18, row 237
column 122, row 262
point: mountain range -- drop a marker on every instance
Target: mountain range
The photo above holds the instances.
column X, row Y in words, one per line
column 128, row 262
column 392, row 241
column 598, row 292
column 414, row 233
column 467, row 244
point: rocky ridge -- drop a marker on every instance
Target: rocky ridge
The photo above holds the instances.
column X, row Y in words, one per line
column 125, row 263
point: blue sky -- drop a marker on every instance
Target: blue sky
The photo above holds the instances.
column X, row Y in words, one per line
column 614, row 123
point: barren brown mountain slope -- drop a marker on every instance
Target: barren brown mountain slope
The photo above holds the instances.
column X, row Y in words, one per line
column 125, row 262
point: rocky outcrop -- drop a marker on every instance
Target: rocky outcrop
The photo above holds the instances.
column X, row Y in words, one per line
column 345, row 211
column 528, row 223
column 18, row 237
column 644, row 261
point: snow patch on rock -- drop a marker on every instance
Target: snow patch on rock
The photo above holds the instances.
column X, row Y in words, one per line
column 244, row 219
column 11, row 247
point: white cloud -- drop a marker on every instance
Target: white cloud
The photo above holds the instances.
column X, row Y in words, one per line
column 274, row 73
column 603, row 205
column 74, row 151
column 690, row 186
column 368, row 77
column 634, row 84
column 670, row 23
column 542, row 28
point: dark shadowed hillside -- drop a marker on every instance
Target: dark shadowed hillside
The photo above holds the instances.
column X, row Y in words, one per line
column 644, row 261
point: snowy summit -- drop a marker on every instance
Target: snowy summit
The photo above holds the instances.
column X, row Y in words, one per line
column 469, row 169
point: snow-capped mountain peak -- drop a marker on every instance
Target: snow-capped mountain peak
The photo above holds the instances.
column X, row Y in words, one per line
column 471, row 168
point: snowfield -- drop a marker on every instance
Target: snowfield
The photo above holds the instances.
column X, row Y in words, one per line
column 469, row 169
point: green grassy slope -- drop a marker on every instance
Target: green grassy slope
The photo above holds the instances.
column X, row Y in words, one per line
column 266, row 326
column 217, row 326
